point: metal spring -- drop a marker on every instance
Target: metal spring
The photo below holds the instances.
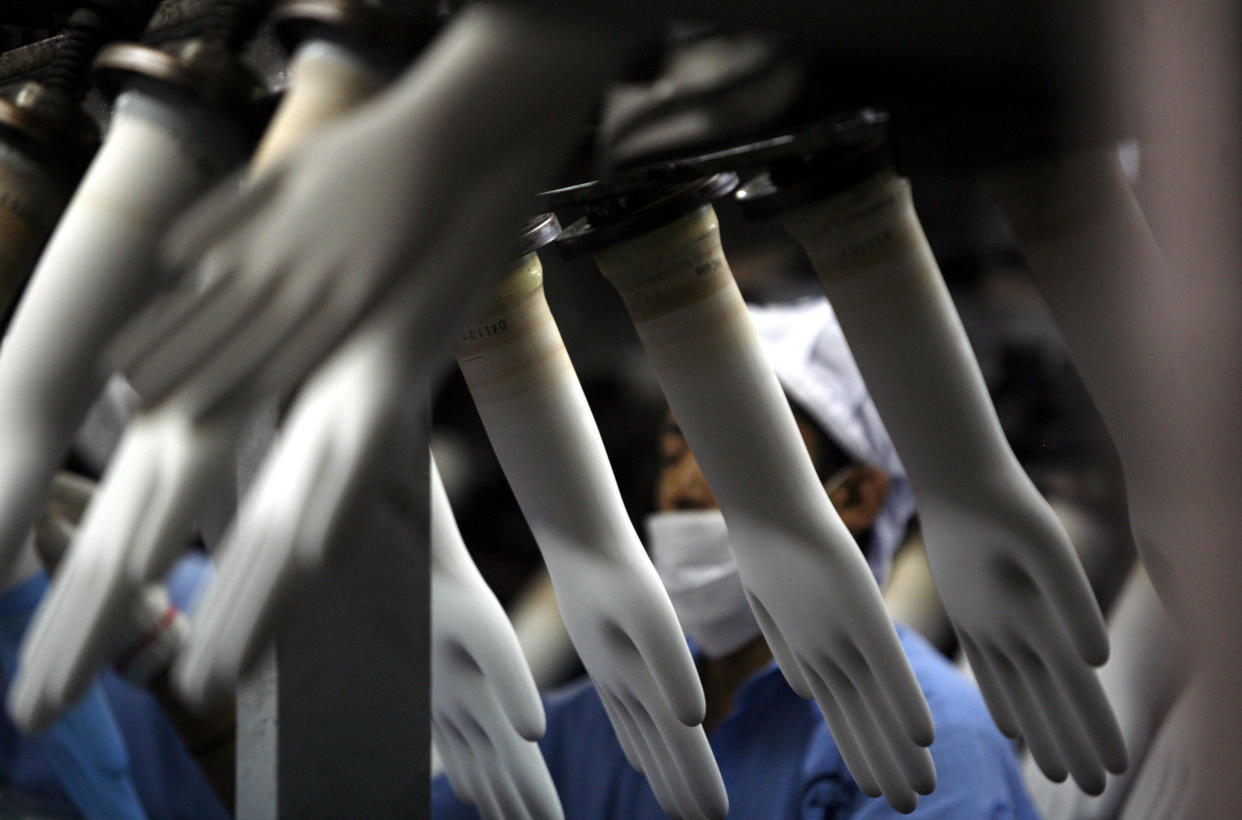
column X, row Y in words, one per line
column 91, row 26
column 69, row 71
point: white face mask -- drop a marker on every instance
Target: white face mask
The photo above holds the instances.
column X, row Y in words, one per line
column 691, row 552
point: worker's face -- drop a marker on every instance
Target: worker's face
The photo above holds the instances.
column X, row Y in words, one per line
column 858, row 496
column 681, row 485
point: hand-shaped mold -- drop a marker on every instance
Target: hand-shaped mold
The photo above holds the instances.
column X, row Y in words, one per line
column 1095, row 261
column 485, row 709
column 171, row 457
column 336, row 438
column 161, row 150
column 1010, row 580
column 1145, row 672
column 614, row 605
column 809, row 586
column 137, row 629
column 449, row 154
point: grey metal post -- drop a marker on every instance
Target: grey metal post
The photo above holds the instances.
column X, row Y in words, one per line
column 335, row 721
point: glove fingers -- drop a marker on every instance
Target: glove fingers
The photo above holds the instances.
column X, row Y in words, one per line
column 498, row 773
column 174, row 357
column 107, row 528
column 68, row 640
column 884, row 766
column 86, row 608
column 664, row 652
column 131, row 493
column 1080, row 686
column 280, row 315
column 488, row 802
column 297, row 355
column 851, row 751
column 530, row 777
column 692, row 754
column 482, row 782
column 510, row 680
column 1065, row 587
column 161, row 317
column 622, row 729
column 894, row 681
column 167, row 519
column 914, row 760
column 1076, row 749
column 454, row 769
column 237, row 611
column 223, row 611
column 471, row 773
column 217, row 216
column 307, row 479
column 786, row 658
column 662, row 756
column 994, row 696
column 1034, row 727
column 220, row 600
column 669, row 798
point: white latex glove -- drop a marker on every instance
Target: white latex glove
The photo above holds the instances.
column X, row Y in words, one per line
column 1167, row 784
column 333, row 439
column 161, row 150
column 1145, row 672
column 485, row 710
column 1096, row 263
column 1009, row 578
column 541, row 632
column 614, row 605
column 451, row 153
column 1155, row 347
column 31, row 200
column 809, row 586
column 139, row 521
column 338, row 434
column 170, row 458
column 150, row 630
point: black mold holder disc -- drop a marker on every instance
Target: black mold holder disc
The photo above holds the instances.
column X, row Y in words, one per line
column 538, row 232
column 615, row 212
column 808, row 173
column 838, row 133
column 200, row 70
column 789, row 170
column 394, row 33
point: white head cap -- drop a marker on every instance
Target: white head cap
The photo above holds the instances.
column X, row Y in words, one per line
column 807, row 349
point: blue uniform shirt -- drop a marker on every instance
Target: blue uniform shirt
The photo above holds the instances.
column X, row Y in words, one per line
column 778, row 760
column 129, row 754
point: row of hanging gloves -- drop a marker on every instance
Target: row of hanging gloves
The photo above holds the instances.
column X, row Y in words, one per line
column 369, row 230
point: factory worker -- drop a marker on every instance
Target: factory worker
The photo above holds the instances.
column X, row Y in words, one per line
column 774, row 749
column 115, row 754
column 130, row 747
